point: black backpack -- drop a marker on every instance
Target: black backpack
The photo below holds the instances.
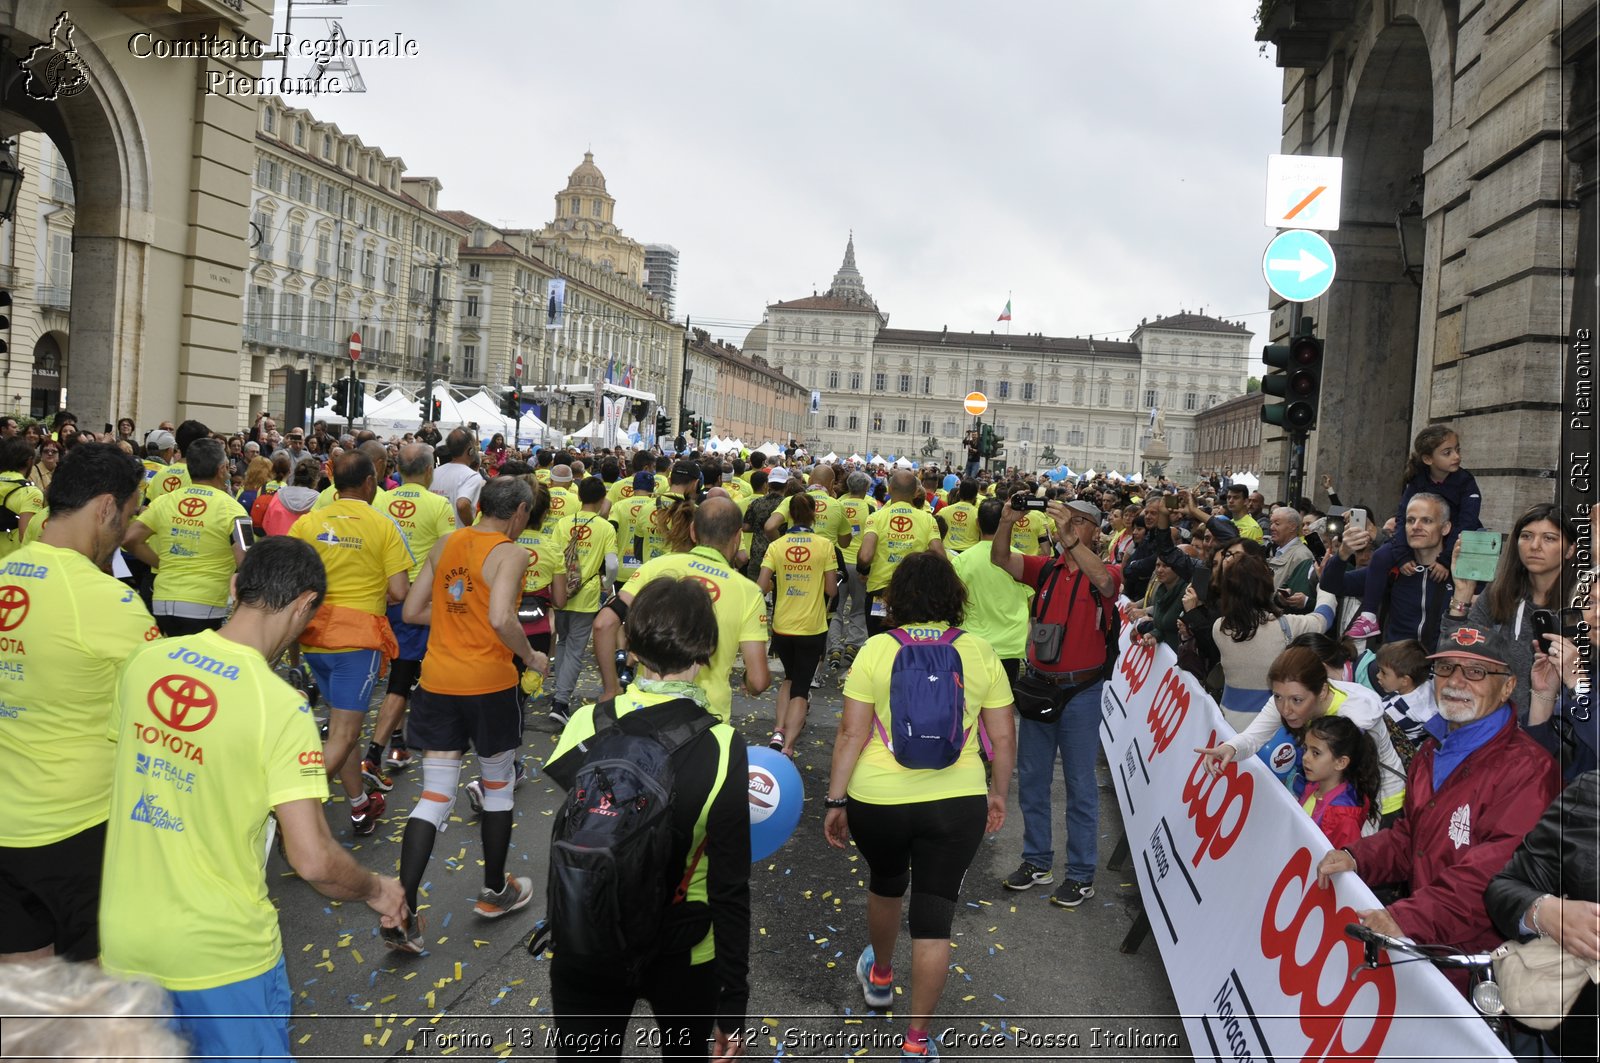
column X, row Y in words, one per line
column 10, row 518
column 617, row 883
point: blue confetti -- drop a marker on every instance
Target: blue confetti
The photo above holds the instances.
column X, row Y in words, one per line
column 447, row 916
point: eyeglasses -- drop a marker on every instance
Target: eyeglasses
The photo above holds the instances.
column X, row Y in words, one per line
column 1473, row 673
column 51, row 450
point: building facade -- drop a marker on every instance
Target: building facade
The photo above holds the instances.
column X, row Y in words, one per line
column 1085, row 402
column 160, row 178
column 584, row 225
column 36, row 267
column 1466, row 252
column 742, row 396
column 342, row 242
column 661, row 274
column 1228, row 436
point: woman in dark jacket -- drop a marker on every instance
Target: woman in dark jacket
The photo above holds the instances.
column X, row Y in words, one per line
column 1550, row 889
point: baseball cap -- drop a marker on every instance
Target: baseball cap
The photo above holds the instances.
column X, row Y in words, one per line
column 1475, row 644
column 1222, row 529
column 778, row 475
column 644, row 482
column 160, row 439
column 685, row 472
column 1086, row 509
column 561, row 474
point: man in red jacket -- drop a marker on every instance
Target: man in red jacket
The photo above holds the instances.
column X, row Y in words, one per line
column 1474, row 789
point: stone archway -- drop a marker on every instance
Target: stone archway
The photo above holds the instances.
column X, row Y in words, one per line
column 49, row 364
column 100, row 138
column 1371, row 314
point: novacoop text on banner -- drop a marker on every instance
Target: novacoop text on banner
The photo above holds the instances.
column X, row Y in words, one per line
column 1256, row 952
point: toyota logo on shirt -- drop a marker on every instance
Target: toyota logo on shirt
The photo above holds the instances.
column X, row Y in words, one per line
column 13, row 606
column 403, row 509
column 191, row 507
column 799, row 555
column 900, row 524
column 181, row 702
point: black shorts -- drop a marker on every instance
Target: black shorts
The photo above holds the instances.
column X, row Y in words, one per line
column 172, row 627
column 488, row 723
column 50, row 895
column 927, row 845
column 801, row 656
column 403, row 677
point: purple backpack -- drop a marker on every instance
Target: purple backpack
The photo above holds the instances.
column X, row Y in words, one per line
column 927, row 702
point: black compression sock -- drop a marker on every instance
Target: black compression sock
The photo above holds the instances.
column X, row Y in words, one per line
column 496, row 840
column 416, row 846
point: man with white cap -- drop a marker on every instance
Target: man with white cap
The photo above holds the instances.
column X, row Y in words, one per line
column 1473, row 791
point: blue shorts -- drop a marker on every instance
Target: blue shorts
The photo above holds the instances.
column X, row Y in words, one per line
column 346, row 678
column 256, row 1025
column 413, row 638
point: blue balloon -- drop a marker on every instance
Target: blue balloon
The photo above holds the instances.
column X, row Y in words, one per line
column 776, row 799
column 951, row 482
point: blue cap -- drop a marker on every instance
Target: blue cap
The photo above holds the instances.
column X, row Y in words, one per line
column 644, row 481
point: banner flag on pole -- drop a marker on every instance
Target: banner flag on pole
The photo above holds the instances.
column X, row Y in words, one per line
column 1005, row 315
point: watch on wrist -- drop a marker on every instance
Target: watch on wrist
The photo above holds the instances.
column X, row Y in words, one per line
column 835, row 802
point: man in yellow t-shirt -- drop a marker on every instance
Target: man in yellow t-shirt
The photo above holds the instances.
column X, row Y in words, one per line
column 741, row 613
column 423, row 519
column 188, row 537
column 1030, row 534
column 632, row 516
column 848, row 629
column 595, row 542
column 894, row 533
column 379, row 455
column 801, row 572
column 159, row 447
column 628, row 485
column 367, row 562
column 176, row 475
column 961, row 518
column 210, row 745
column 65, row 628
column 563, row 499
column 830, row 519
column 20, row 499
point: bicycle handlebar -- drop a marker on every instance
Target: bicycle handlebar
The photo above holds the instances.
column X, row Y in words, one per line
column 1438, row 955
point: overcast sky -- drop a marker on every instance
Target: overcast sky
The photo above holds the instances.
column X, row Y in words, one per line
column 1101, row 162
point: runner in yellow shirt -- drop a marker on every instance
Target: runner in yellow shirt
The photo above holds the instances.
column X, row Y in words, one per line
column 210, row 744
column 594, row 541
column 741, row 615
column 849, row 630
column 801, row 572
column 345, row 644
column 191, row 538
column 20, row 498
column 423, row 519
column 658, row 528
column 894, row 533
column 631, row 516
column 379, row 456
column 628, row 486
column 176, row 474
column 961, row 518
column 563, row 499
column 830, row 519
column 65, row 628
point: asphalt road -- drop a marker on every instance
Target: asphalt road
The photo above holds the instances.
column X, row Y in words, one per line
column 1027, row 980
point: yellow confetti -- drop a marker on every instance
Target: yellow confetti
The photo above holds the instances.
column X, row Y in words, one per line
column 307, row 1037
column 429, row 998
column 355, row 954
column 410, row 1043
column 477, row 943
column 516, row 983
column 344, row 942
column 533, row 1003
column 385, row 1038
column 826, row 894
column 458, row 970
column 444, row 939
column 999, row 946
column 410, row 975
column 968, row 997
column 992, row 929
column 307, row 948
column 366, row 1039
column 831, row 965
column 771, row 1022
column 388, row 998
column 763, row 931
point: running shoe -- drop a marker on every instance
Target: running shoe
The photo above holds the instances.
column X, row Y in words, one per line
column 516, row 893
column 877, row 996
column 475, row 794
column 397, row 759
column 558, row 714
column 928, row 1049
column 1363, row 628
column 776, row 742
column 816, row 680
column 372, row 771
column 365, row 822
column 406, row 938
column 1027, row 876
column 522, row 774
column 1071, row 893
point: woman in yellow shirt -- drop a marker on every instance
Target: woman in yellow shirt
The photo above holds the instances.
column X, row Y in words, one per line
column 801, row 572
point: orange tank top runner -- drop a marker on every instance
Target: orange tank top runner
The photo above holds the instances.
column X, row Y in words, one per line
column 464, row 654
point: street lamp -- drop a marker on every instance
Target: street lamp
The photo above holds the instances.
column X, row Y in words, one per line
column 437, row 265
column 11, row 176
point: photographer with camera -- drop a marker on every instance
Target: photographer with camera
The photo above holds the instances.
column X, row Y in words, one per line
column 1071, row 647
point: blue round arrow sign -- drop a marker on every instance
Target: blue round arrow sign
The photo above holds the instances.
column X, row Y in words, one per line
column 1298, row 265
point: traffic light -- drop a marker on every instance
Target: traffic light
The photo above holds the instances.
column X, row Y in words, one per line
column 663, row 425
column 436, row 410
column 425, row 409
column 5, row 317
column 341, row 396
column 686, row 420
column 989, row 441
column 1296, row 377
column 358, row 397
column 511, row 401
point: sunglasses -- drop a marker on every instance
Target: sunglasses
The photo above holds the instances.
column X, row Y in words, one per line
column 51, row 450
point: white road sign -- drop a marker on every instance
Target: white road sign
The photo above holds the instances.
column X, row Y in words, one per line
column 1303, row 191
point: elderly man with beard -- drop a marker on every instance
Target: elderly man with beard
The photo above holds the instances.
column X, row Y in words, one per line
column 1474, row 790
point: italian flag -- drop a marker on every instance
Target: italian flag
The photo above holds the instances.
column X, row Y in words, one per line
column 1005, row 315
